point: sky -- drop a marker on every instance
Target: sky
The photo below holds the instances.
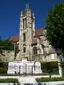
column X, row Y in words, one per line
column 10, row 14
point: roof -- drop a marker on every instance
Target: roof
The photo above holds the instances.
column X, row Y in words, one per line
column 52, row 51
column 34, row 41
column 14, row 39
column 38, row 33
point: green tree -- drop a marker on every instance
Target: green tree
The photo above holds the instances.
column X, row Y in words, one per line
column 8, row 45
column 55, row 27
column 1, row 45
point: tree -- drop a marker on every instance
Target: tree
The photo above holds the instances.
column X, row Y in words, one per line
column 55, row 27
column 1, row 45
column 8, row 45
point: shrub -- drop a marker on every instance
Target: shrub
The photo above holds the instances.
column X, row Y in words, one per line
column 62, row 65
column 50, row 67
column 50, row 79
column 3, row 70
column 3, row 67
column 8, row 80
column 3, row 64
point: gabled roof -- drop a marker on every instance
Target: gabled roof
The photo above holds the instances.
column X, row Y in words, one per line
column 14, row 39
column 34, row 41
column 38, row 32
column 52, row 51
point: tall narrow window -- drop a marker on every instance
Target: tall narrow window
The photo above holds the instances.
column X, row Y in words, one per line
column 24, row 37
column 24, row 49
column 24, row 23
column 35, row 50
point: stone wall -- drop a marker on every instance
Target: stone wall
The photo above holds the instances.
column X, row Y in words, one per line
column 46, row 58
column 7, row 55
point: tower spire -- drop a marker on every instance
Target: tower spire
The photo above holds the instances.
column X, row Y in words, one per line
column 27, row 6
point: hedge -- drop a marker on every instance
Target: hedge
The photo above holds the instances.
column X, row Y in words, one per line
column 50, row 67
column 3, row 70
column 3, row 64
column 49, row 79
column 62, row 65
column 3, row 67
column 9, row 80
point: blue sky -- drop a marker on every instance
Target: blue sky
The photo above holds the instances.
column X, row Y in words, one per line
column 10, row 14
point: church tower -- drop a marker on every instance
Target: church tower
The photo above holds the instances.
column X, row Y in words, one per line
column 27, row 31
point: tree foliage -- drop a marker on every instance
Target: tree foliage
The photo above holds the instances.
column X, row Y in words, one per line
column 55, row 26
column 49, row 67
column 6, row 45
column 1, row 45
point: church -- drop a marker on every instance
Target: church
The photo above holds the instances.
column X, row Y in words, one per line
column 33, row 48
column 32, row 43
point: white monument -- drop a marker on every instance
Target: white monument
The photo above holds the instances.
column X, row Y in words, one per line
column 24, row 67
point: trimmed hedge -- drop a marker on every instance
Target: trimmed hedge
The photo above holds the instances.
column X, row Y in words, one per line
column 62, row 65
column 3, row 70
column 3, row 67
column 9, row 80
column 3, row 64
column 50, row 67
column 50, row 79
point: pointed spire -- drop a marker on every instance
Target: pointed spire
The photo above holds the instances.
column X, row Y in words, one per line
column 33, row 15
column 27, row 9
column 21, row 14
column 27, row 6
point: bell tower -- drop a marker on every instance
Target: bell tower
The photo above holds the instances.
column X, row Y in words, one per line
column 27, row 31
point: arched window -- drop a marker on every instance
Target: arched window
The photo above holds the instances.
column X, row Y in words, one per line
column 24, row 37
column 34, row 50
column 24, row 49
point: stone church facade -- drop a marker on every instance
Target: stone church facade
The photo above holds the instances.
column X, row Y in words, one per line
column 32, row 43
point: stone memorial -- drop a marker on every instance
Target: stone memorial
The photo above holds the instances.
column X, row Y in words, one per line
column 24, row 67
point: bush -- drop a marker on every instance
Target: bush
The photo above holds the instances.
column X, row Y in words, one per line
column 49, row 67
column 3, row 64
column 3, row 67
column 3, row 70
column 8, row 80
column 62, row 65
column 50, row 79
